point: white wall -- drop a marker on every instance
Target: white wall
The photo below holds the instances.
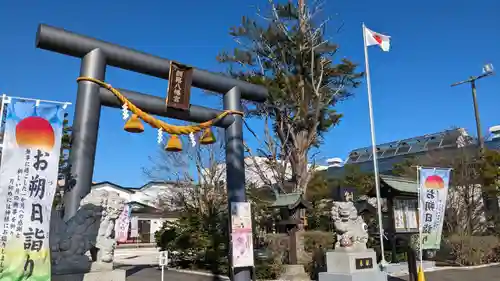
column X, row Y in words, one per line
column 123, row 194
column 152, row 193
column 143, row 198
column 156, row 225
column 256, row 166
column 147, row 196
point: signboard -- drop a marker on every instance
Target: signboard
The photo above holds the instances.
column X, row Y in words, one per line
column 241, row 217
column 241, row 234
column 434, row 185
column 179, row 86
column 364, row 263
column 163, row 258
column 242, row 246
column 28, row 179
column 134, row 227
column 405, row 215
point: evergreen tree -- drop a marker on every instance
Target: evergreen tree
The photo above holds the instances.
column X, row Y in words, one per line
column 64, row 165
column 287, row 51
column 65, row 146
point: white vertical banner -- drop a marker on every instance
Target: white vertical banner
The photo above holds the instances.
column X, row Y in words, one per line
column 241, row 234
column 122, row 225
column 434, row 184
column 134, row 227
column 28, row 179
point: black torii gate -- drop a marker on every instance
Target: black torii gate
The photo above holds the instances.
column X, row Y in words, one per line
column 96, row 55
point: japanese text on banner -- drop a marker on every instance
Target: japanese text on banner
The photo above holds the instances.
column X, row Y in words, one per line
column 28, row 179
column 434, row 185
column 122, row 225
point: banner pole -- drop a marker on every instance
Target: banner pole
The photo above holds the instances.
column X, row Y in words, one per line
column 1, row 113
column 64, row 103
column 420, row 224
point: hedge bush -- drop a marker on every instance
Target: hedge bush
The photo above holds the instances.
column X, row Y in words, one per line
column 469, row 250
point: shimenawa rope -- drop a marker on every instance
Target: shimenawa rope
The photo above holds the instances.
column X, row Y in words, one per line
column 156, row 123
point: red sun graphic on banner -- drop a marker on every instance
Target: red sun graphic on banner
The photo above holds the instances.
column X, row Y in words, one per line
column 434, row 182
column 35, row 132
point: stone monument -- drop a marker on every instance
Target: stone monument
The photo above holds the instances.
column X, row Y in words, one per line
column 351, row 260
column 91, row 230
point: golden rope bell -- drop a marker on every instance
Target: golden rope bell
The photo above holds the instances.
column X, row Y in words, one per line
column 174, row 144
column 134, row 125
column 207, row 137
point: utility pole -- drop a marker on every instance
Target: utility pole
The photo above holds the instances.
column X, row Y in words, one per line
column 487, row 71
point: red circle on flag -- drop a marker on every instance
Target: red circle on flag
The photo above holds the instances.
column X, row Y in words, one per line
column 377, row 38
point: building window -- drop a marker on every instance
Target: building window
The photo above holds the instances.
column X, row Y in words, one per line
column 390, row 151
column 353, row 157
column 403, row 149
column 432, row 145
column 364, row 157
column 449, row 141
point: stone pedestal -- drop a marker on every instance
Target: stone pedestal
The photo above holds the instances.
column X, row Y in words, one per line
column 344, row 265
column 294, row 272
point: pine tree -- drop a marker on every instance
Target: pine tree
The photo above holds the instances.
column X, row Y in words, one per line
column 64, row 165
column 287, row 51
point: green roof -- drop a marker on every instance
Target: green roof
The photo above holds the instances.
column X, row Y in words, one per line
column 400, row 184
column 283, row 200
column 290, row 200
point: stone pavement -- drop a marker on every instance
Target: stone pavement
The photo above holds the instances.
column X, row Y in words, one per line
column 137, row 256
column 152, row 273
column 479, row 274
column 139, row 264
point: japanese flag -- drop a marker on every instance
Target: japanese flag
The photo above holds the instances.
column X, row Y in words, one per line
column 374, row 38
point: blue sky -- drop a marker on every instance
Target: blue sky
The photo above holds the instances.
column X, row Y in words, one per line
column 434, row 43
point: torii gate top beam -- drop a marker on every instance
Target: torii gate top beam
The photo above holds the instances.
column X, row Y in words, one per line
column 68, row 43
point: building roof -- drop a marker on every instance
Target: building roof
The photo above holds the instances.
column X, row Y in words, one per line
column 400, row 184
column 290, row 200
column 133, row 189
column 141, row 208
column 449, row 138
column 138, row 207
column 386, row 161
column 126, row 189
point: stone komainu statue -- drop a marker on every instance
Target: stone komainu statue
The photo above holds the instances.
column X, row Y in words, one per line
column 91, row 228
column 352, row 232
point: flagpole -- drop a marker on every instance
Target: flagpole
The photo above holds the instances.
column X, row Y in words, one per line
column 420, row 224
column 374, row 150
